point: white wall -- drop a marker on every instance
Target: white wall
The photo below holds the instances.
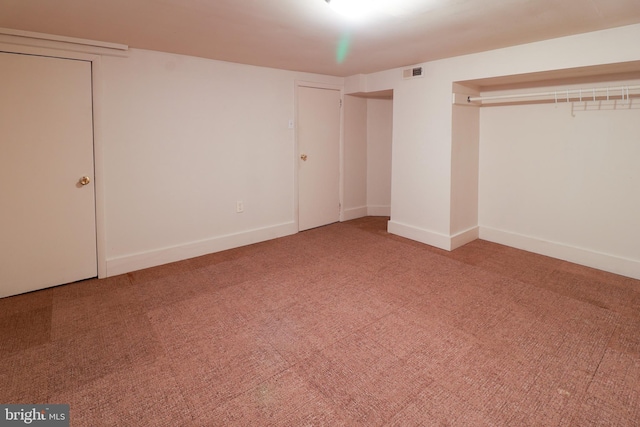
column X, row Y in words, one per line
column 464, row 174
column 423, row 193
column 379, row 137
column 184, row 139
column 421, row 158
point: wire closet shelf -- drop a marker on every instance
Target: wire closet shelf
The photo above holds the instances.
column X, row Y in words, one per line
column 568, row 95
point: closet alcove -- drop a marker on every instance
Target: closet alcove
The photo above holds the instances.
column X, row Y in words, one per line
column 558, row 159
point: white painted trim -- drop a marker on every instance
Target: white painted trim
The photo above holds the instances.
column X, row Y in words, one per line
column 52, row 37
column 96, row 77
column 464, row 237
column 296, row 157
column 601, row 261
column 320, row 85
column 152, row 258
column 378, row 210
column 354, row 213
column 341, row 156
column 98, row 167
column 64, row 48
column 428, row 237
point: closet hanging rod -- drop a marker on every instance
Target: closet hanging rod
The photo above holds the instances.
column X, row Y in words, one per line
column 581, row 94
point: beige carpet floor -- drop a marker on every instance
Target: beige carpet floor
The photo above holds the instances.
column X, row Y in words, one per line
column 344, row 325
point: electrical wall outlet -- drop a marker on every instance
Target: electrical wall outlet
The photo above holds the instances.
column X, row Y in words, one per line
column 239, row 206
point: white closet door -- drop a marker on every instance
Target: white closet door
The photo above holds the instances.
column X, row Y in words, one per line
column 47, row 196
column 319, row 164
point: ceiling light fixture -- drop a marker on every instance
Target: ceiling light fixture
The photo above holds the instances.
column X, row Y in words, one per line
column 360, row 10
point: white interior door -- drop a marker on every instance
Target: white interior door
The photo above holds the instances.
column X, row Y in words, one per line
column 319, row 163
column 47, row 214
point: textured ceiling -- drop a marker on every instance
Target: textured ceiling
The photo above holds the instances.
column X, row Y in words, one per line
column 305, row 35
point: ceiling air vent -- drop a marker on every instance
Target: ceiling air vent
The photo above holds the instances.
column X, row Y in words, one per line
column 412, row 73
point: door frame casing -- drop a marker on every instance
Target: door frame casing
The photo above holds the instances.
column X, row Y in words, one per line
column 296, row 200
column 96, row 84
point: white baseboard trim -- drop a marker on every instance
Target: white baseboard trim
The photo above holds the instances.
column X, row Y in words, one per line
column 362, row 211
column 433, row 238
column 354, row 213
column 378, row 210
column 428, row 237
column 152, row 258
column 601, row 261
column 464, row 237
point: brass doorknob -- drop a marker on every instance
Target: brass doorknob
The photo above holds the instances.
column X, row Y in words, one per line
column 304, row 157
column 84, row 180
